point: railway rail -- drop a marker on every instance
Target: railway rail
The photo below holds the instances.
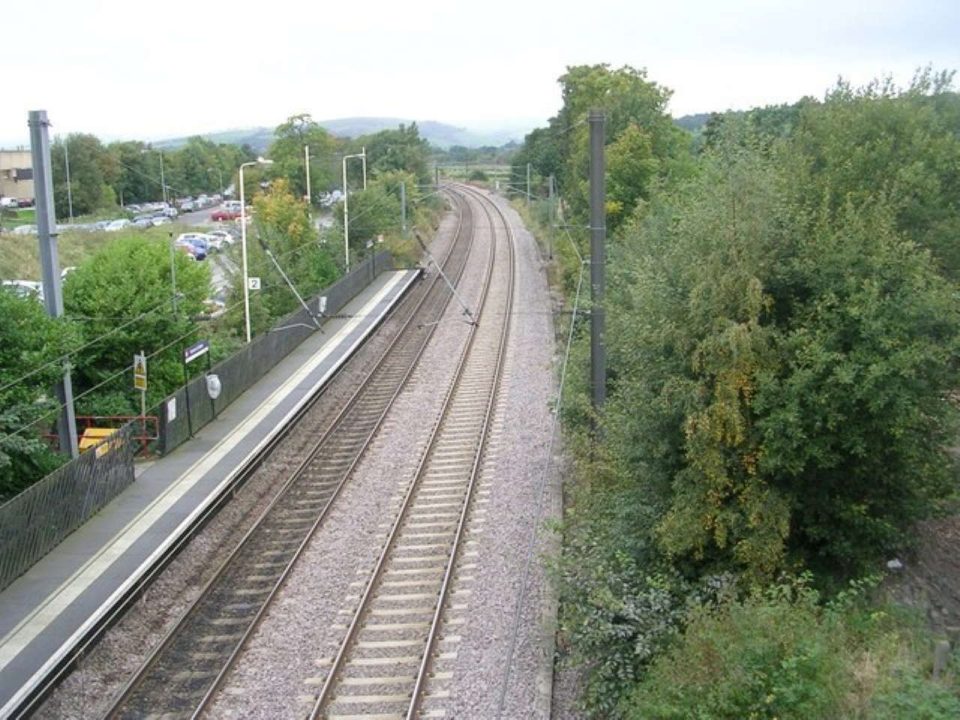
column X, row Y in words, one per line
column 182, row 674
column 381, row 668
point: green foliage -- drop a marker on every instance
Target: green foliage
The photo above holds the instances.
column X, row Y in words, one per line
column 780, row 653
column 88, row 167
column 782, row 374
column 282, row 225
column 374, row 211
column 122, row 299
column 904, row 144
column 287, row 153
column 397, row 150
column 30, row 342
column 643, row 143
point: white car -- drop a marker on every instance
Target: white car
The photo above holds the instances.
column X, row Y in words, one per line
column 219, row 239
column 8, row 202
column 25, row 288
column 25, row 230
column 117, row 225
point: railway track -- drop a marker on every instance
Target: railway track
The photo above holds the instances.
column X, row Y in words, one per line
column 181, row 675
column 381, row 668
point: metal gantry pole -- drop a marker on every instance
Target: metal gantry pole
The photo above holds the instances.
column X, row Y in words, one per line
column 403, row 208
column 50, row 265
column 528, row 184
column 598, row 233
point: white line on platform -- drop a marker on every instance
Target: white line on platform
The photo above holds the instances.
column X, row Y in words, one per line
column 51, row 607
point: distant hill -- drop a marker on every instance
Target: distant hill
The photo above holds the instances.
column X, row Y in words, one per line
column 438, row 134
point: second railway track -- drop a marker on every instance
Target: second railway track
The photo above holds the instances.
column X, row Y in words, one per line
column 180, row 677
column 381, row 668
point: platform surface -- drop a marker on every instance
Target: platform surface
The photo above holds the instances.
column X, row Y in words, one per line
column 49, row 609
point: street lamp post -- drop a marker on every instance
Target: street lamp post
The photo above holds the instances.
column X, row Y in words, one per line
column 346, row 207
column 66, row 162
column 163, row 182
column 306, row 159
column 243, row 242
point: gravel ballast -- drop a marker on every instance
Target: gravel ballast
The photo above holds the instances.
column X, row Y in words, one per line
column 498, row 653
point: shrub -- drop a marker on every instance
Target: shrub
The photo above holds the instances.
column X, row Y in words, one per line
column 781, row 654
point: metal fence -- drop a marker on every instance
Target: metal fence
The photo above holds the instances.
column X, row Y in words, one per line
column 39, row 518
column 192, row 406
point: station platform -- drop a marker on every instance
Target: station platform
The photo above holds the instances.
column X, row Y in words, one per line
column 46, row 612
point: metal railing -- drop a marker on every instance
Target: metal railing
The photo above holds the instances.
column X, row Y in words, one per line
column 39, row 518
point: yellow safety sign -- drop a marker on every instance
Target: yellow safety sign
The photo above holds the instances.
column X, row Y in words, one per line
column 140, row 371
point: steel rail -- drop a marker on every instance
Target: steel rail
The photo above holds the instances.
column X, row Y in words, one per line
column 336, row 426
column 427, row 659
column 340, row 661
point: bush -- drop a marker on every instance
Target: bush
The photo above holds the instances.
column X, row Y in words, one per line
column 781, row 654
column 778, row 373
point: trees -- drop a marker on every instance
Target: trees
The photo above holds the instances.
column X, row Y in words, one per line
column 122, row 300
column 287, row 153
column 30, row 342
column 88, row 166
column 282, row 224
column 397, row 150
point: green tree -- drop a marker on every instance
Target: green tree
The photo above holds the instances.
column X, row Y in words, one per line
column 122, row 300
column 30, row 342
column 287, row 153
column 781, row 375
column 397, row 150
column 373, row 212
column 904, row 143
column 89, row 163
column 282, row 224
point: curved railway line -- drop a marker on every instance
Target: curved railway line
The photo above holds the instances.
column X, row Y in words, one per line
column 181, row 675
column 383, row 663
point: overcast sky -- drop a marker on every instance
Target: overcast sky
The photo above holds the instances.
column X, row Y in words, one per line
column 136, row 70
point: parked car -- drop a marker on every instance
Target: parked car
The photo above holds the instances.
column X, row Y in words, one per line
column 8, row 202
column 117, row 225
column 220, row 239
column 25, row 202
column 221, row 214
column 25, row 230
column 194, row 244
column 24, row 288
column 161, row 220
column 186, row 205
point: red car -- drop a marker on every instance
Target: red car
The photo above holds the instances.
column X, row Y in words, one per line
column 224, row 214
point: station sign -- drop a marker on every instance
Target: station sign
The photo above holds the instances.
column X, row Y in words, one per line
column 196, row 350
